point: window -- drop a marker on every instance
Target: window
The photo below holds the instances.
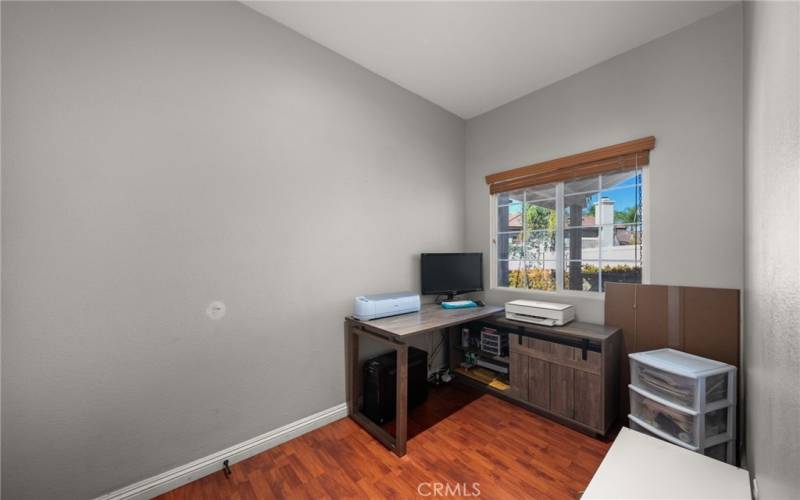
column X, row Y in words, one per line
column 577, row 233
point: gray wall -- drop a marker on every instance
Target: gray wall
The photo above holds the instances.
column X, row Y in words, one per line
column 159, row 156
column 686, row 90
column 772, row 246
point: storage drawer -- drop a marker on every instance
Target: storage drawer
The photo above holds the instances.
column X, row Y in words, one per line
column 494, row 342
column 640, row 428
column 644, row 427
column 690, row 427
column 676, row 388
column 718, row 424
column 723, row 452
column 681, row 426
column 717, row 389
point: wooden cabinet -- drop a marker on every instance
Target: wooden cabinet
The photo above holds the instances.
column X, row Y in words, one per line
column 562, row 390
column 539, row 388
column 529, row 377
column 518, row 375
column 588, row 401
column 570, row 372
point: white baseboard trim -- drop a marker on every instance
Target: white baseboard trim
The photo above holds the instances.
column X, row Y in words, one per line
column 166, row 481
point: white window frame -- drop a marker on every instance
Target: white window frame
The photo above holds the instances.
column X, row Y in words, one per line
column 646, row 232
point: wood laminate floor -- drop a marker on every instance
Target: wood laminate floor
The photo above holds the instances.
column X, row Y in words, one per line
column 458, row 437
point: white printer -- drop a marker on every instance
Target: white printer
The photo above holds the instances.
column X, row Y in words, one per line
column 540, row 313
column 380, row 305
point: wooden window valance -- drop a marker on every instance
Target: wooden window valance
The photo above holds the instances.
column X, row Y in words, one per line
column 629, row 154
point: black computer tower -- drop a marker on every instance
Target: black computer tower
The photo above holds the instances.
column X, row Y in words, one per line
column 380, row 384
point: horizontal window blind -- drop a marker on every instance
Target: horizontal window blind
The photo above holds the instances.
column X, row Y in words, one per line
column 629, row 154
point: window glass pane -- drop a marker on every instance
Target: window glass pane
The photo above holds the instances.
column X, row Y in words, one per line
column 509, row 198
column 621, row 272
column 502, row 273
column 540, row 215
column 510, row 246
column 582, row 185
column 581, row 243
column 539, row 193
column 619, row 206
column 541, row 275
column 540, row 245
column 582, row 276
column 579, row 209
column 626, row 178
column 514, row 274
column 602, row 226
column 509, row 218
column 621, row 242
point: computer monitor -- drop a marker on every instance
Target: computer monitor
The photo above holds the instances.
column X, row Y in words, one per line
column 451, row 273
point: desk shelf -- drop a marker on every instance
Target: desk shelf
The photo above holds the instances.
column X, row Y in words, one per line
column 486, row 377
column 503, row 360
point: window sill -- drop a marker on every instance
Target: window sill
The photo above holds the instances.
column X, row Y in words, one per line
column 567, row 294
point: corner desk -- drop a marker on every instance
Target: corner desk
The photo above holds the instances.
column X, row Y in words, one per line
column 567, row 373
column 394, row 332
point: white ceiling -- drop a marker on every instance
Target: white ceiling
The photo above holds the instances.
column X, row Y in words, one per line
column 471, row 57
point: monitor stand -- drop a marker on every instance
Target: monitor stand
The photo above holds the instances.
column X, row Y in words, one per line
column 448, row 297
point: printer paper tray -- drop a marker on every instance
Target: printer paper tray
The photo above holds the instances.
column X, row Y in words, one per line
column 537, row 320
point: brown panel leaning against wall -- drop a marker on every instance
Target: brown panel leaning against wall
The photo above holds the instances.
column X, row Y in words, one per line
column 652, row 317
column 620, row 311
column 619, row 304
column 644, row 311
column 701, row 321
column 711, row 323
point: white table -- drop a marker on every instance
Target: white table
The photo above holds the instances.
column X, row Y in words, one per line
column 643, row 467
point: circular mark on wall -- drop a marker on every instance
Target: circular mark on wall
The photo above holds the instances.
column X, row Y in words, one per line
column 216, row 310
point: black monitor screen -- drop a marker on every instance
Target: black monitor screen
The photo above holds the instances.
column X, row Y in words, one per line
column 451, row 273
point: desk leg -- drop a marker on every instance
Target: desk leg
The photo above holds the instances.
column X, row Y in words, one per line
column 354, row 374
column 396, row 443
column 401, row 415
column 448, row 347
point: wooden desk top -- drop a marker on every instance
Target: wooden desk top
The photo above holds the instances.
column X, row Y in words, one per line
column 573, row 329
column 431, row 317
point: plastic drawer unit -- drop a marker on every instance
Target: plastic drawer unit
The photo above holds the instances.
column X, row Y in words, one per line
column 685, row 399
column 494, row 342
column 687, row 380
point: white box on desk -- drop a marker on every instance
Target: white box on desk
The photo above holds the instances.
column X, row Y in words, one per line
column 540, row 313
column 381, row 305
